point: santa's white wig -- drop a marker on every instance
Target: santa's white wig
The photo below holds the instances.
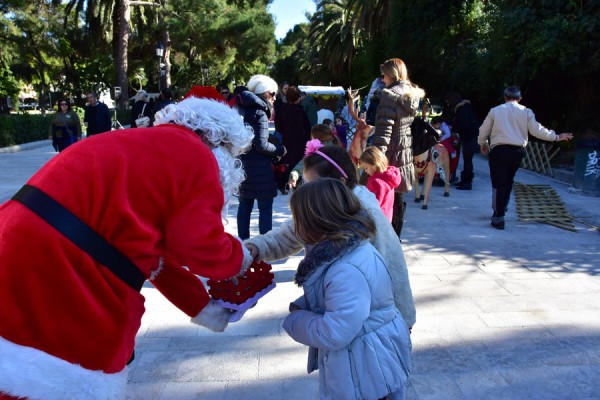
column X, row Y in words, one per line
column 221, row 128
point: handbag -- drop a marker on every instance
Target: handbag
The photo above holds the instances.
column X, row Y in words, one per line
column 142, row 121
column 67, row 133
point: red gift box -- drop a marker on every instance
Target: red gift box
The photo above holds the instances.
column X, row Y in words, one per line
column 243, row 292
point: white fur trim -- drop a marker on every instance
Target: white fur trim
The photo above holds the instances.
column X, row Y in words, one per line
column 158, row 270
column 220, row 125
column 213, row 317
column 36, row 375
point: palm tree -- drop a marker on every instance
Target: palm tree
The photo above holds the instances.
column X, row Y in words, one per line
column 368, row 16
column 334, row 37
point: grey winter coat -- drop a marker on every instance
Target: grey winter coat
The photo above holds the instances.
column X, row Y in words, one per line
column 282, row 242
column 359, row 342
column 397, row 109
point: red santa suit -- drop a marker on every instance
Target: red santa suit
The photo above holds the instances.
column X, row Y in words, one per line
column 67, row 324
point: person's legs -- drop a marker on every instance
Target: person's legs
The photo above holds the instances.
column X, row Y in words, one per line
column 243, row 217
column 514, row 162
column 504, row 163
column 398, row 213
column 265, row 215
column 63, row 142
column 466, row 176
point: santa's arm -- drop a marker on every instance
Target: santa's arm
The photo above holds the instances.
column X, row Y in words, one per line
column 195, row 235
column 187, row 292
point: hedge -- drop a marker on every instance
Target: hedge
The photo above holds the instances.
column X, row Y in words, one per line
column 23, row 128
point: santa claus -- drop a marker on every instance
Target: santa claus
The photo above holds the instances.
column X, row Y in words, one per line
column 79, row 240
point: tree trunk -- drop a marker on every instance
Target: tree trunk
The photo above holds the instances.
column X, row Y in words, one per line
column 120, row 47
column 167, row 58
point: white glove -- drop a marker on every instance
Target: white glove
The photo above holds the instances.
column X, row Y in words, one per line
column 213, row 317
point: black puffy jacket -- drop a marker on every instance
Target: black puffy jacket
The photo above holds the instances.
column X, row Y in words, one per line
column 260, row 180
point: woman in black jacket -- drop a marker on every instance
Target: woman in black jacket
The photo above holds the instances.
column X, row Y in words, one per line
column 292, row 123
column 256, row 105
column 466, row 124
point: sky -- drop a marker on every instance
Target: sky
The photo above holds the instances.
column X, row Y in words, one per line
column 289, row 13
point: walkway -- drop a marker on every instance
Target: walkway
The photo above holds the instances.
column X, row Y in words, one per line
column 510, row 314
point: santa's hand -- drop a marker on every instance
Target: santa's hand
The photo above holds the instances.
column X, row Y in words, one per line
column 213, row 317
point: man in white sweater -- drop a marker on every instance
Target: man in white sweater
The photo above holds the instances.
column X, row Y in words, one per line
column 503, row 135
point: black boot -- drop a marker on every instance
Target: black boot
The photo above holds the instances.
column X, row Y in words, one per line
column 398, row 215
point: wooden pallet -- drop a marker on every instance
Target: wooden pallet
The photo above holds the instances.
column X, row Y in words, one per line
column 538, row 155
column 541, row 203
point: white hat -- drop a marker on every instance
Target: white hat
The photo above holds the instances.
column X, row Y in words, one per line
column 261, row 83
column 141, row 95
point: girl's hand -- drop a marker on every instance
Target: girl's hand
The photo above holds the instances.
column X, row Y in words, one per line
column 252, row 249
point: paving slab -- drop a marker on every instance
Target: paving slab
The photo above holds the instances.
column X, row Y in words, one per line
column 507, row 314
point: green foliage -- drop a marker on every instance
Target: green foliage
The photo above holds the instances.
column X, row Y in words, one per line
column 236, row 41
column 294, row 63
column 23, row 128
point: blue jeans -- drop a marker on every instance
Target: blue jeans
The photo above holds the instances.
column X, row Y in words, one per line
column 265, row 216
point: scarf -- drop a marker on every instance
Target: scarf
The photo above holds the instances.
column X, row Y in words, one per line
column 326, row 253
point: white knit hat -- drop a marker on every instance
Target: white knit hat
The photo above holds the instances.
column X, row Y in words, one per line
column 141, row 95
column 259, row 84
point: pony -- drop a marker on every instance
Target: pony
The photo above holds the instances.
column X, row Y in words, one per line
column 430, row 157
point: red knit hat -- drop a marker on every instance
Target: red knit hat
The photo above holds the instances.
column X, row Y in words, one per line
column 205, row 92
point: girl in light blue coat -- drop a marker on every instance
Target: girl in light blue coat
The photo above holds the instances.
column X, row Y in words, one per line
column 358, row 340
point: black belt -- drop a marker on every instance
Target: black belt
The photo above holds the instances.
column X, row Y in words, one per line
column 81, row 235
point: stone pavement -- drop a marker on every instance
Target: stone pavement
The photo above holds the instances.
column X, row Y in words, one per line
column 510, row 314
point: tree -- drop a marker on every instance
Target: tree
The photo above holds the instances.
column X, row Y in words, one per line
column 233, row 40
column 333, row 36
column 30, row 28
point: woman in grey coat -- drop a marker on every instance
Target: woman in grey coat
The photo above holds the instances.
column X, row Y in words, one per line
column 396, row 112
column 358, row 340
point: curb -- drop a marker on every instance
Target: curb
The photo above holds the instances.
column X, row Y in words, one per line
column 25, row 146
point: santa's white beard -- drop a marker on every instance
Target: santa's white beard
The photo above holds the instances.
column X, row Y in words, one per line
column 231, row 173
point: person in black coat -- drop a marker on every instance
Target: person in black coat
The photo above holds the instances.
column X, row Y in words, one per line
column 97, row 116
column 292, row 123
column 466, row 124
column 255, row 105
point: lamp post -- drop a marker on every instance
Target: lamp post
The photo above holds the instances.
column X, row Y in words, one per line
column 204, row 69
column 160, row 51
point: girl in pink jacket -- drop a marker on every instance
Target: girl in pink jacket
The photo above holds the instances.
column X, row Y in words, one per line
column 383, row 178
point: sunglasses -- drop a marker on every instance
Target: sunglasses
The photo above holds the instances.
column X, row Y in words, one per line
column 63, row 104
column 224, row 92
